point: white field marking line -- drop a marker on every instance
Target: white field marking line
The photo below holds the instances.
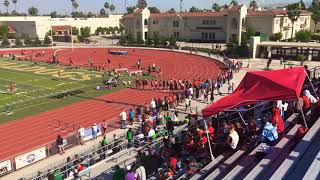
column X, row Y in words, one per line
column 46, row 102
column 33, row 85
column 34, row 75
column 52, row 94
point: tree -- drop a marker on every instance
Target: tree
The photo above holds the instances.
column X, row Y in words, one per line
column 33, row 11
column 75, row 6
column 293, row 14
column 27, row 41
column 4, row 30
column 139, row 39
column 303, row 36
column 100, row 30
column 130, row 9
column 154, row 9
column 193, row 9
column 302, row 5
column 253, row 4
column 37, row 41
column 15, row 4
column 130, row 38
column 75, row 31
column 122, row 40
column 142, row 4
column 85, row 32
column 5, row 42
column 103, row 12
column 49, row 33
column 215, row 7
column 107, row 6
column 247, row 35
column 173, row 41
column 163, row 41
column 172, row 10
column 112, row 8
column 18, row 42
column 156, row 39
column 315, row 9
column 301, row 58
column 47, row 40
column 6, row 4
column 233, row 3
column 276, row 36
column 181, row 5
column 53, row 14
column 90, row 15
column 148, row 42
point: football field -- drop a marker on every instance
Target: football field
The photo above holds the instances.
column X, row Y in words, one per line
column 39, row 87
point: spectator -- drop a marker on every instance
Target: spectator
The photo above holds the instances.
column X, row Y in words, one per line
column 252, row 128
column 118, row 174
column 104, row 141
column 130, row 136
column 81, row 135
column 130, row 173
column 269, row 133
column 210, row 131
column 123, row 117
column 233, row 138
column 152, row 134
column 104, row 126
column 139, row 113
column 131, row 116
column 153, row 105
column 59, row 143
column 95, row 131
column 277, row 120
column 140, row 173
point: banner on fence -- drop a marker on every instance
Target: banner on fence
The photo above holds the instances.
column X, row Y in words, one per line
column 88, row 133
column 30, row 157
column 5, row 167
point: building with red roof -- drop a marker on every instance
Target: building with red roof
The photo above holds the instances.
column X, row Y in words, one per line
column 220, row 26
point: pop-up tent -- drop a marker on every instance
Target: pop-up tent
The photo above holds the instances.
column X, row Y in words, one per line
column 259, row 86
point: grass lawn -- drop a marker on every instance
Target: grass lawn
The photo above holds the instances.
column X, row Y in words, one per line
column 38, row 88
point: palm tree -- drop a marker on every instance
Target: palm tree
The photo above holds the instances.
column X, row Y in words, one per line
column 253, row 4
column 215, row 7
column 75, row 6
column 15, row 4
column 293, row 14
column 107, row 6
column 6, row 4
column 234, row 3
column 72, row 1
column 33, row 11
column 112, row 8
column 181, row 5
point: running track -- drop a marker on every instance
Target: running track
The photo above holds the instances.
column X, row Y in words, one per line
column 25, row 134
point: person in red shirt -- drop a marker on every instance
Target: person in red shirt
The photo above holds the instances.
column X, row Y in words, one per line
column 306, row 102
column 173, row 163
column 211, row 131
column 200, row 132
column 277, row 120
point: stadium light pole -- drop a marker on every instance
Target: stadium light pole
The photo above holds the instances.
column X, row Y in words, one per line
column 52, row 37
column 71, row 38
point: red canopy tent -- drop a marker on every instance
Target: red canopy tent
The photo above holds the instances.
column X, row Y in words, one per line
column 258, row 86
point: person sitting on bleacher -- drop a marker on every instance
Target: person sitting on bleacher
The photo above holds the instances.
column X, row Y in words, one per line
column 269, row 134
column 233, row 138
column 118, row 174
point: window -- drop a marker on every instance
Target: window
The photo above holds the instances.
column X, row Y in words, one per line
column 175, row 23
column 234, row 23
column 208, row 36
column 176, row 35
column 155, row 22
column 146, row 22
column 277, row 21
column 138, row 23
column 234, row 36
column 208, row 22
column 285, row 20
column 212, row 22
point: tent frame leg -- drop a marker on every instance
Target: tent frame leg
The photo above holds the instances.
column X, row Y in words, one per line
column 209, row 143
column 302, row 113
column 314, row 90
column 242, row 119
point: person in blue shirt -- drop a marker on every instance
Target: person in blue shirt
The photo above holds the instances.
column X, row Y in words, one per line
column 269, row 134
column 131, row 116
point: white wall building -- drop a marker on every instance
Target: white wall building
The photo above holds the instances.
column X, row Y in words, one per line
column 33, row 26
column 218, row 26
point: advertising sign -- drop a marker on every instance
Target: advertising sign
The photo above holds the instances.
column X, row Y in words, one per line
column 30, row 157
column 88, row 133
column 5, row 167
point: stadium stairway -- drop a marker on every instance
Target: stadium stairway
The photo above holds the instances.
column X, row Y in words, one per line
column 301, row 152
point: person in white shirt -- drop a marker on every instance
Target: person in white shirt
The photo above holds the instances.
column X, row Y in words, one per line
column 81, row 135
column 95, row 131
column 140, row 173
column 151, row 134
column 233, row 138
column 123, row 117
column 187, row 103
column 191, row 92
column 153, row 104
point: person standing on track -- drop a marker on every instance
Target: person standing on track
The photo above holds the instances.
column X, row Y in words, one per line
column 59, row 143
column 81, row 135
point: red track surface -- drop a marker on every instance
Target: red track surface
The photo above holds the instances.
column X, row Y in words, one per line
column 28, row 133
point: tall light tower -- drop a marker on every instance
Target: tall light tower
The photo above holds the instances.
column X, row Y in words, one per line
column 181, row 5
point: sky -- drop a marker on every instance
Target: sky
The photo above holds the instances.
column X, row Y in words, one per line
column 64, row 6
